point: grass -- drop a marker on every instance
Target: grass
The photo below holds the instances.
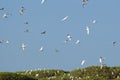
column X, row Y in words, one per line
column 88, row 73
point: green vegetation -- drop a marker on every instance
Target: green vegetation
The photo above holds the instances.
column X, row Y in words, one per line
column 88, row 73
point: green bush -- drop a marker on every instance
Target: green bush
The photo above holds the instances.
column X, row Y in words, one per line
column 14, row 76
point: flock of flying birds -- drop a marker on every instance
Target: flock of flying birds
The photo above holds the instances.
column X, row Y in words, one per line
column 68, row 36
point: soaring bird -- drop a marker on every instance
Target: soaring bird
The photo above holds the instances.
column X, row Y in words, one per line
column 21, row 11
column 77, row 42
column 84, row 3
column 23, row 46
column 41, row 49
column 65, row 18
column 83, row 62
column 42, row 1
column 44, row 32
column 88, row 30
column 69, row 37
column 5, row 15
column 114, row 43
column 94, row 21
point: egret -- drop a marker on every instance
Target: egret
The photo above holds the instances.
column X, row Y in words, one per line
column 7, row 42
column 88, row 30
column 83, row 62
column 84, row 3
column 21, row 11
column 42, row 1
column 41, row 49
column 94, row 21
column 77, row 42
column 101, row 62
column 23, row 46
column 5, row 15
column 69, row 37
column 65, row 18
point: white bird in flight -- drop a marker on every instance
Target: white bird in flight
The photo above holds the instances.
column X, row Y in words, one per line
column 41, row 49
column 77, row 42
column 42, row 1
column 23, row 46
column 65, row 18
column 88, row 30
column 21, row 11
column 94, row 21
column 69, row 37
column 7, row 42
column 5, row 15
column 83, row 62
column 84, row 3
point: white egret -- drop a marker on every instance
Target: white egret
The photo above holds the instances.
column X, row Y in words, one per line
column 41, row 49
column 84, row 3
column 69, row 37
column 23, row 46
column 88, row 30
column 94, row 21
column 83, row 62
column 77, row 42
column 5, row 15
column 65, row 18
column 21, row 11
column 101, row 62
column 7, row 42
column 42, row 1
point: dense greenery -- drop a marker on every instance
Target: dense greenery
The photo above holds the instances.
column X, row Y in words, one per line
column 88, row 73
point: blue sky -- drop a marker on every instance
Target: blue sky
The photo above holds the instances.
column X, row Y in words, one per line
column 47, row 17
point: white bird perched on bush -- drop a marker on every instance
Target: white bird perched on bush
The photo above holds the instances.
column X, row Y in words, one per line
column 101, row 62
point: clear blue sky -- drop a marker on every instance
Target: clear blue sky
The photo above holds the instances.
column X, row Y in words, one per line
column 47, row 17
